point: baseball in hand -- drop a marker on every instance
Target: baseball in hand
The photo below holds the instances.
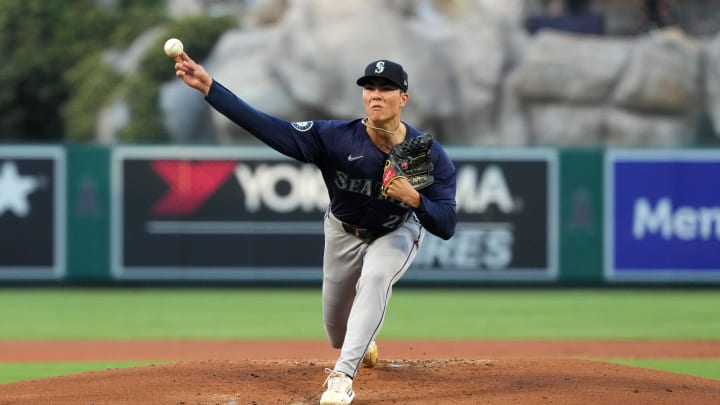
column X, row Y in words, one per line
column 173, row 47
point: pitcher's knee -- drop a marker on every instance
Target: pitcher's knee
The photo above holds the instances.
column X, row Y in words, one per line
column 376, row 280
column 336, row 343
column 336, row 338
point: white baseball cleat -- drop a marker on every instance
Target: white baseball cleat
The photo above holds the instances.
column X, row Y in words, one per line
column 339, row 389
column 371, row 356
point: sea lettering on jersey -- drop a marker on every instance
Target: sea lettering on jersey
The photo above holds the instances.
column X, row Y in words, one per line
column 362, row 186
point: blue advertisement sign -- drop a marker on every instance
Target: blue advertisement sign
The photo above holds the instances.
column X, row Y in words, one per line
column 663, row 213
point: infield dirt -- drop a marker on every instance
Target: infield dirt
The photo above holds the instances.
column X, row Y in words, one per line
column 418, row 372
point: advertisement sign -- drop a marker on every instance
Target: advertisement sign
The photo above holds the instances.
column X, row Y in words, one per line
column 222, row 213
column 32, row 213
column 253, row 214
column 507, row 219
column 663, row 209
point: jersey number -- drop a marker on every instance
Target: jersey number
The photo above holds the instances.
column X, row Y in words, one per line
column 394, row 221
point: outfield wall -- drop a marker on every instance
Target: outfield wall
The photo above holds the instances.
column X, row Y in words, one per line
column 82, row 214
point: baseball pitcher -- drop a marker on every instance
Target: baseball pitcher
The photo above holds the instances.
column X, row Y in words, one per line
column 388, row 184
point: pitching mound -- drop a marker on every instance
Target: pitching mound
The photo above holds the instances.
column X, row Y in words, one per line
column 235, row 372
column 499, row 381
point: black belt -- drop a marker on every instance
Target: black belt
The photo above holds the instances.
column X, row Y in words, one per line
column 365, row 234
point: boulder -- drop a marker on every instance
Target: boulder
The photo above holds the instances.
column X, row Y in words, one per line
column 566, row 67
column 663, row 74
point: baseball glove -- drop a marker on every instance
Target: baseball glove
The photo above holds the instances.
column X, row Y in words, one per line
column 411, row 160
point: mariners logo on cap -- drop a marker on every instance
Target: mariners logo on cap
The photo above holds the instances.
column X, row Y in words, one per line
column 380, row 66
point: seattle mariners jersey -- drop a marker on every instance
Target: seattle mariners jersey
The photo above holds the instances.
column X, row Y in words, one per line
column 351, row 166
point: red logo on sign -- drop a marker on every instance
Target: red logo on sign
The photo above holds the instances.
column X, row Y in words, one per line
column 191, row 184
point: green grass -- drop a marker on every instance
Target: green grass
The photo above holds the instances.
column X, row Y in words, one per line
column 21, row 371
column 159, row 314
column 236, row 313
column 419, row 314
column 551, row 314
column 706, row 368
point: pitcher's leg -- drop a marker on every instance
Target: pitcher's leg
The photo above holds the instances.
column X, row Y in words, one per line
column 386, row 260
column 342, row 262
column 337, row 300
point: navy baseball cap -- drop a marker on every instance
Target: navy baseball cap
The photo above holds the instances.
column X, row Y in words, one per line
column 388, row 70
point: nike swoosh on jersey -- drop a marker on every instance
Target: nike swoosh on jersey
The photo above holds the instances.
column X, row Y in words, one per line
column 351, row 157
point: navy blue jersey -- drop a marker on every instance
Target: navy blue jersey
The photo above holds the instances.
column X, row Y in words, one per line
column 351, row 166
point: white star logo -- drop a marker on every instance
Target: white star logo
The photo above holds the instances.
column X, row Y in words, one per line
column 14, row 190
